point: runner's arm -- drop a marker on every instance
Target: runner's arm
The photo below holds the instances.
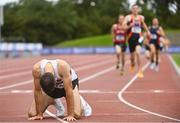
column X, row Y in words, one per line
column 161, row 31
column 37, row 90
column 66, row 76
column 126, row 21
column 112, row 30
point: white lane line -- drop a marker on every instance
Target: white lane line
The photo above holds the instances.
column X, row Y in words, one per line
column 97, row 92
column 174, row 64
column 15, row 74
column 153, row 91
column 136, row 107
column 77, row 69
column 89, row 91
column 80, row 91
column 16, row 85
column 101, row 92
column 97, row 74
column 21, row 91
column 54, row 116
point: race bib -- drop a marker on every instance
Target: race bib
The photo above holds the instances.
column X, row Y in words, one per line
column 59, row 84
column 120, row 38
column 153, row 36
column 136, row 29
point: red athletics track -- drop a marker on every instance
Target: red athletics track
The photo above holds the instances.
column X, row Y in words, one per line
column 154, row 98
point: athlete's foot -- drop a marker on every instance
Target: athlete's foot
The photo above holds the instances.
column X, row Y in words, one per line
column 152, row 66
column 140, row 74
column 131, row 68
column 117, row 66
column 122, row 72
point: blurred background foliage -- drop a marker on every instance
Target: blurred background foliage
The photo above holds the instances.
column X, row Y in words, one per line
column 55, row 22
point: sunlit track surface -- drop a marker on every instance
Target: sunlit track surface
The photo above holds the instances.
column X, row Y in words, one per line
column 101, row 84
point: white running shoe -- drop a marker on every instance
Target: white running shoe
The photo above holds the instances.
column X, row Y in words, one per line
column 87, row 110
column 152, row 66
column 60, row 110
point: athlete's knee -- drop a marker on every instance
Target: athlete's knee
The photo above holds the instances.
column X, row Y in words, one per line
column 138, row 49
column 132, row 59
column 118, row 49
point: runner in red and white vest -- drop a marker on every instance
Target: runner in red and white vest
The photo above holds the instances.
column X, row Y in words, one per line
column 118, row 32
column 135, row 23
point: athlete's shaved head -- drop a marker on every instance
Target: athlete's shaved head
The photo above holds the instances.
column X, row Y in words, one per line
column 47, row 82
column 121, row 18
column 155, row 21
column 135, row 9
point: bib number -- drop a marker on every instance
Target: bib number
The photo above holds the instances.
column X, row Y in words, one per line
column 59, row 84
column 136, row 29
column 154, row 36
column 120, row 38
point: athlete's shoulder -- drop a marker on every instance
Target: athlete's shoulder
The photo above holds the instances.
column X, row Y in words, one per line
column 128, row 17
column 160, row 27
column 36, row 66
column 36, row 70
column 141, row 17
column 63, row 67
column 62, row 63
column 114, row 25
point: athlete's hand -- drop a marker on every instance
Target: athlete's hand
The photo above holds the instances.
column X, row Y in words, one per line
column 158, row 32
column 149, row 34
column 37, row 117
column 69, row 118
column 131, row 24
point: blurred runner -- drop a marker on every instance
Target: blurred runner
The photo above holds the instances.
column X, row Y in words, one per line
column 155, row 43
column 118, row 32
column 135, row 22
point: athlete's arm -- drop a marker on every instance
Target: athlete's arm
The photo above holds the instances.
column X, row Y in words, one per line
column 126, row 21
column 146, row 42
column 112, row 30
column 166, row 41
column 161, row 31
column 64, row 69
column 37, row 93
